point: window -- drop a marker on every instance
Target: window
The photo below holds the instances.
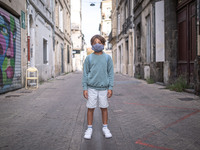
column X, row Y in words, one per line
column 45, row 58
column 132, row 6
column 48, row 4
column 118, row 23
column 56, row 14
column 127, row 48
column 23, row 20
column 129, row 8
column 159, row 31
column 126, row 12
column 108, row 28
column 61, row 18
column 148, row 39
column 138, row 43
column 108, row 13
column 66, row 21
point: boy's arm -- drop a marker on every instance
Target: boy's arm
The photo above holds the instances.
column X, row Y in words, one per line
column 110, row 73
column 85, row 74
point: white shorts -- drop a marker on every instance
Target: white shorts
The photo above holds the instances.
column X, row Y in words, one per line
column 95, row 96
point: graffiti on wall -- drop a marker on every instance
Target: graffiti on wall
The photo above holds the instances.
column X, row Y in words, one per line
column 8, row 33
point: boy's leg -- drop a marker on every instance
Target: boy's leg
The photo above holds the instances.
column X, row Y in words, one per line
column 104, row 115
column 90, row 116
column 88, row 132
column 105, row 129
column 103, row 104
column 91, row 105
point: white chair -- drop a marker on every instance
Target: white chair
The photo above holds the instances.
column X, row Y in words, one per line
column 34, row 71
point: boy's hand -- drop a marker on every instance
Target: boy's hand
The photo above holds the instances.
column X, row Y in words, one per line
column 85, row 94
column 109, row 93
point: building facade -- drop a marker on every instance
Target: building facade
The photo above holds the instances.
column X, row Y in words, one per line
column 62, row 37
column 113, row 34
column 165, row 43
column 41, row 31
column 105, row 25
column 122, row 37
column 77, row 35
column 149, row 39
column 34, row 33
column 13, row 49
column 157, row 39
column 197, row 61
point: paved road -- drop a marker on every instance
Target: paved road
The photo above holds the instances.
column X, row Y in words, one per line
column 141, row 117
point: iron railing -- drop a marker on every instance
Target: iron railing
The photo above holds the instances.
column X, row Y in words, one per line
column 127, row 24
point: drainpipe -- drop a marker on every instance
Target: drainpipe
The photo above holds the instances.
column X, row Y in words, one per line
column 53, row 37
column 28, row 37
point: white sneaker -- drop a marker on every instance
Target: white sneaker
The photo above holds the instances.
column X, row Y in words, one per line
column 106, row 132
column 88, row 134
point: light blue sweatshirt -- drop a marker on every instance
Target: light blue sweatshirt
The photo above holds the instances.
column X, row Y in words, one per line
column 98, row 72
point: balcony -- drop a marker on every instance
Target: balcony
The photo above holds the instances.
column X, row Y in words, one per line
column 75, row 26
column 127, row 24
column 137, row 3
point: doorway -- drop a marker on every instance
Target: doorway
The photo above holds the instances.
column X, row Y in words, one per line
column 187, row 52
column 127, row 55
column 62, row 59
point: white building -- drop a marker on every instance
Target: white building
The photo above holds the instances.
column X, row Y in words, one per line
column 40, row 30
column 77, row 36
column 105, row 26
column 62, row 37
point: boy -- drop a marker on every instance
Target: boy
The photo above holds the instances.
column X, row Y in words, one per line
column 97, row 81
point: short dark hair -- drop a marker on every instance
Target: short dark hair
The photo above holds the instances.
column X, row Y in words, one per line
column 102, row 39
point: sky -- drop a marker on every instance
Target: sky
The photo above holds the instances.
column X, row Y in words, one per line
column 91, row 18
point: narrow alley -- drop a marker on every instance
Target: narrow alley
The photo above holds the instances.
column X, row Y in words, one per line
column 141, row 117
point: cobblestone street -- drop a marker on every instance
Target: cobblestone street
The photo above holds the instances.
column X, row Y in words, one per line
column 141, row 117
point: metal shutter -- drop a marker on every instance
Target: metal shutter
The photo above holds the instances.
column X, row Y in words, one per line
column 10, row 52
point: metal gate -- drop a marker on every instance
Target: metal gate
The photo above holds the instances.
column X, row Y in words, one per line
column 187, row 39
column 10, row 52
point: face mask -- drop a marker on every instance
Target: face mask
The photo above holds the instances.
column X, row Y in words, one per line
column 97, row 47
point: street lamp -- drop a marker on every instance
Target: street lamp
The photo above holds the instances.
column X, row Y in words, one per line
column 92, row 4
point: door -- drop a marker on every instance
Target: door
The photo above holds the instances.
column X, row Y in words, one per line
column 127, row 55
column 119, row 59
column 62, row 59
column 187, row 41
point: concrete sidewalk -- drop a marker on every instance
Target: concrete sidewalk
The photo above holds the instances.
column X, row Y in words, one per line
column 141, row 117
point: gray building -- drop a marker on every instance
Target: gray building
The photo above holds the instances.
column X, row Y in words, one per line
column 157, row 40
column 165, row 43
column 40, row 30
column 122, row 36
column 13, row 49
column 62, row 36
column 150, row 40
